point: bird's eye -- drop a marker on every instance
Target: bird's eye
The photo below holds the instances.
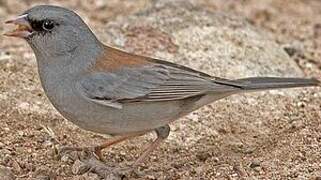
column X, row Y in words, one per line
column 48, row 25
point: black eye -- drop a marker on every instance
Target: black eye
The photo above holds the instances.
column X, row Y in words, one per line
column 48, row 25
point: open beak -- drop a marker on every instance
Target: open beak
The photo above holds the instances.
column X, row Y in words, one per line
column 23, row 28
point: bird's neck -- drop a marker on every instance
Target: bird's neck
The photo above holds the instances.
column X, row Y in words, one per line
column 73, row 59
column 55, row 69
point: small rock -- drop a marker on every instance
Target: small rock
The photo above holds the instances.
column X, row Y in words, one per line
column 290, row 51
column 255, row 163
column 4, row 56
column 48, row 143
column 113, row 177
column 301, row 104
column 88, row 176
column 216, row 160
column 257, row 169
column 249, row 150
column 295, row 48
column 7, row 158
column 30, row 166
column 43, row 173
column 24, row 106
column 21, row 133
column 79, row 167
column 66, row 159
column 150, row 177
column 240, row 170
column 16, row 166
column 2, row 145
column 203, row 156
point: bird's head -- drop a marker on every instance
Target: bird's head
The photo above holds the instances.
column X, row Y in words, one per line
column 52, row 30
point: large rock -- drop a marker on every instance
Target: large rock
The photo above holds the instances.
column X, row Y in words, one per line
column 216, row 43
column 219, row 44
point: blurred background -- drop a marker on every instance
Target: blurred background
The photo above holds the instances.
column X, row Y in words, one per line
column 271, row 135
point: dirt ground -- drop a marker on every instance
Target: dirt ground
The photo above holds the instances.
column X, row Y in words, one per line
column 269, row 137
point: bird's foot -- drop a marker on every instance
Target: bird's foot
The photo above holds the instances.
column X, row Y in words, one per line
column 94, row 150
column 88, row 162
column 85, row 159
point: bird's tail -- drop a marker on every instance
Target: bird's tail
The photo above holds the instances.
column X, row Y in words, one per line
column 265, row 83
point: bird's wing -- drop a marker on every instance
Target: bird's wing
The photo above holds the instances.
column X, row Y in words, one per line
column 148, row 81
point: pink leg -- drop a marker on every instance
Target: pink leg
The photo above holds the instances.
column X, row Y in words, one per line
column 162, row 134
column 112, row 141
column 97, row 149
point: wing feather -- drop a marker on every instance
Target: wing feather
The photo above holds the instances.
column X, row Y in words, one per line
column 148, row 83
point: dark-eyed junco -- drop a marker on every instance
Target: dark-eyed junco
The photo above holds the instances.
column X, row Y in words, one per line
column 106, row 90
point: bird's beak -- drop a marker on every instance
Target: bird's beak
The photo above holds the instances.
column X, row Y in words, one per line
column 23, row 29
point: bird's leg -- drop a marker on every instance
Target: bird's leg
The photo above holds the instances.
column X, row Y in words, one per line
column 112, row 141
column 162, row 134
column 101, row 169
column 97, row 149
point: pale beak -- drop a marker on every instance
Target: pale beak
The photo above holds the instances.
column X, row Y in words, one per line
column 23, row 29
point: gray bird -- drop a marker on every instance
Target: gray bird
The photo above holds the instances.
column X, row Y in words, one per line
column 105, row 90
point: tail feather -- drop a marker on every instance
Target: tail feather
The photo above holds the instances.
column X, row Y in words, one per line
column 264, row 83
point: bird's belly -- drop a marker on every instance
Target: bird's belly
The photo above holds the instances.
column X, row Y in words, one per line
column 136, row 117
column 133, row 117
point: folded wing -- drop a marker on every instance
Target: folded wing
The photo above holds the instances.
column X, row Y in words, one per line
column 148, row 83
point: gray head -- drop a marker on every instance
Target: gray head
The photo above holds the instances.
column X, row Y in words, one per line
column 53, row 31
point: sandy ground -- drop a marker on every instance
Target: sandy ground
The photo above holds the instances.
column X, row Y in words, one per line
column 272, row 137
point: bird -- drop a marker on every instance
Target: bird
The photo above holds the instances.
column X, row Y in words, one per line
column 109, row 91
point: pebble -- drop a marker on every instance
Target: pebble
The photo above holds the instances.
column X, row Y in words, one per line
column 255, row 163
column 79, row 167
